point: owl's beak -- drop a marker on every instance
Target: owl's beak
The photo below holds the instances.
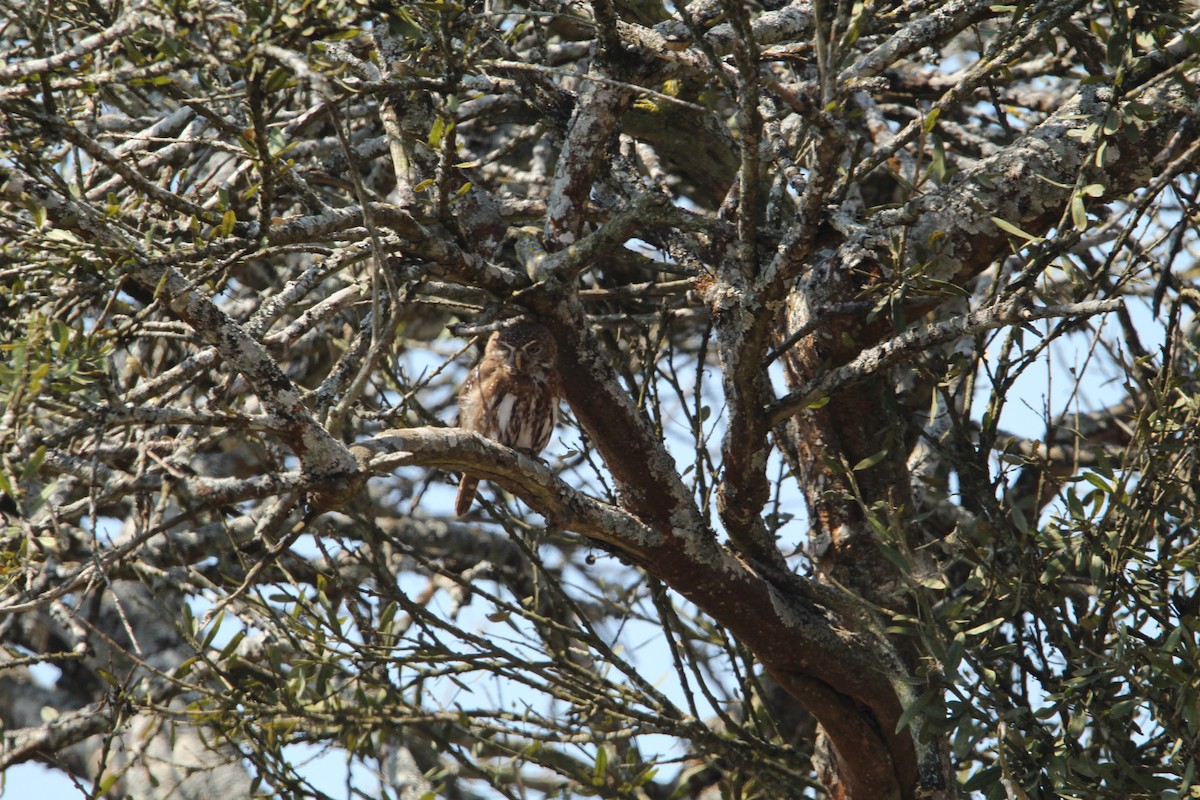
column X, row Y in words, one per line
column 519, row 361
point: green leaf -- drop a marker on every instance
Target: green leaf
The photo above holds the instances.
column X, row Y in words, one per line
column 34, row 463
column 1008, row 227
column 106, row 783
column 231, row 647
column 1079, row 213
column 387, row 615
column 916, row 708
column 62, row 335
column 645, row 776
column 212, row 630
column 601, row 765
column 940, row 171
column 1098, row 482
column 935, row 582
column 985, row 627
column 871, row 460
column 184, row 669
column 1112, row 122
column 895, row 556
column 441, row 127
column 1059, row 184
column 228, row 220
column 108, row 677
column 954, row 653
column 1018, row 520
column 1084, row 135
column 984, row 779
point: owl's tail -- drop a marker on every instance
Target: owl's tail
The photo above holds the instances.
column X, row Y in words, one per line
column 466, row 494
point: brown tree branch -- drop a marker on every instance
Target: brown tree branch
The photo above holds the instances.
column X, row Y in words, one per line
column 320, row 454
column 593, row 124
column 1030, row 183
column 799, row 640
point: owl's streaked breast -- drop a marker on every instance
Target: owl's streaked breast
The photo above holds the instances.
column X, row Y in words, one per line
column 504, row 407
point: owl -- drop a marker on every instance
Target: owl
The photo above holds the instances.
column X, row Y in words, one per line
column 511, row 395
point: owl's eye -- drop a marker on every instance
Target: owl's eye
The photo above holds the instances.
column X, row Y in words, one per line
column 533, row 348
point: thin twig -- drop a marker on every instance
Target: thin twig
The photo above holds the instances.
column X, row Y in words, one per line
column 915, row 340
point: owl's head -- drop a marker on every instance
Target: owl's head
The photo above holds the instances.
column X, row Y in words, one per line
column 525, row 347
